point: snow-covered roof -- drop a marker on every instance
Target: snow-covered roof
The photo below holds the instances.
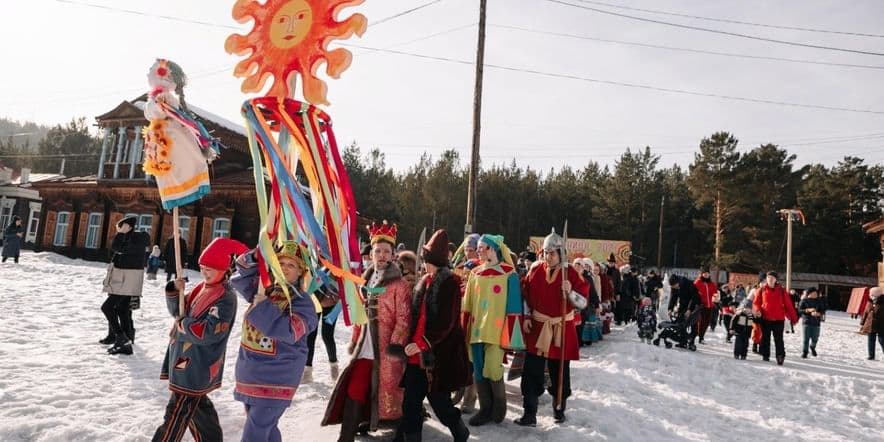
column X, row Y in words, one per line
column 206, row 115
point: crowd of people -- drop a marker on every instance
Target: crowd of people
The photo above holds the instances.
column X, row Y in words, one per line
column 442, row 322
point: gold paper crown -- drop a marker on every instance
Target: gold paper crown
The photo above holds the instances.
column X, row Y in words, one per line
column 384, row 232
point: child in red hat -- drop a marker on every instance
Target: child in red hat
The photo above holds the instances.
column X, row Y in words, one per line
column 194, row 363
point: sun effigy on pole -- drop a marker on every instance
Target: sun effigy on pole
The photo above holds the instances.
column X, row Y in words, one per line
column 289, row 40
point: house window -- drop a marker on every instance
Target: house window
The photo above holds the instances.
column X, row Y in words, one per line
column 144, row 224
column 221, row 228
column 184, row 227
column 61, row 229
column 6, row 206
column 93, row 227
column 33, row 223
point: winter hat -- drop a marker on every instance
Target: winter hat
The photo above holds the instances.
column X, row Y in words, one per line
column 704, row 269
column 472, row 240
column 436, row 250
column 408, row 261
column 217, row 254
column 674, row 279
column 290, row 250
column 155, row 251
column 646, row 301
column 496, row 243
column 131, row 221
column 366, row 250
column 611, row 258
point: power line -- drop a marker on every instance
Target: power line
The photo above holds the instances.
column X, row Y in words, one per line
column 622, row 84
column 673, row 48
column 724, row 20
column 406, row 12
column 715, row 31
column 148, row 14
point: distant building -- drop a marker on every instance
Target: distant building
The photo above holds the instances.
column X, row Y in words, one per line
column 79, row 214
column 877, row 227
column 19, row 198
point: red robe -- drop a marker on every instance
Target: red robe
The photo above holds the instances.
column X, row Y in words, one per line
column 545, row 296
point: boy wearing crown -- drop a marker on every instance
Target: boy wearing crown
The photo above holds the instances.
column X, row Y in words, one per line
column 544, row 290
column 194, row 363
column 368, row 390
column 492, row 315
column 273, row 349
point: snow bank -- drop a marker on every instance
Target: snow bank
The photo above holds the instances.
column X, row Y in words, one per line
column 58, row 384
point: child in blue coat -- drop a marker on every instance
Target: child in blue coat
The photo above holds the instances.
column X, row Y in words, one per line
column 273, row 350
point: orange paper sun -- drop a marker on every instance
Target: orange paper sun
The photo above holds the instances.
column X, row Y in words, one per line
column 290, row 37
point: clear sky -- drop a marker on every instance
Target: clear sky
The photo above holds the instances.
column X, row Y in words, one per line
column 64, row 59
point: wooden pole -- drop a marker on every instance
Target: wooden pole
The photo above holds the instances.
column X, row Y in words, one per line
column 660, row 238
column 176, row 238
column 472, row 185
column 563, row 261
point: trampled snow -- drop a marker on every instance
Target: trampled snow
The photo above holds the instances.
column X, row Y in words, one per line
column 58, row 384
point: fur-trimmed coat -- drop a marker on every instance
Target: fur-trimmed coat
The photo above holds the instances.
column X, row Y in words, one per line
column 443, row 354
column 389, row 314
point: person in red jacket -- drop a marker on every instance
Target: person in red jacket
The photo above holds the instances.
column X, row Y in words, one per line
column 707, row 289
column 773, row 305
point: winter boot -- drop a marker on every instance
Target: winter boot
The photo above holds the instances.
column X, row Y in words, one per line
column 498, row 406
column 560, row 413
column 460, row 432
column 307, row 377
column 780, row 360
column 334, row 371
column 813, row 350
column 468, row 406
column 130, row 333
column 352, row 414
column 122, row 346
column 529, row 407
column 110, row 336
column 754, row 348
column 804, row 355
column 483, row 390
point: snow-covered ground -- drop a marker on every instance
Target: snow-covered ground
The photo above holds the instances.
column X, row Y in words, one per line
column 58, row 384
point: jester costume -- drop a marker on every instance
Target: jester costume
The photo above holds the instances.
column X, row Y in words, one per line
column 543, row 296
column 492, row 316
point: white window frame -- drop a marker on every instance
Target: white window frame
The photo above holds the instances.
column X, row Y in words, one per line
column 218, row 232
column 94, row 230
column 61, row 229
column 185, row 231
column 33, row 222
column 6, row 207
column 142, row 226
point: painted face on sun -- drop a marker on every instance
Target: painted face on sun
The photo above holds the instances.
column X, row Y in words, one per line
column 290, row 24
column 291, row 37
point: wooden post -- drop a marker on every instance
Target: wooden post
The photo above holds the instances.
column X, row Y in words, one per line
column 472, row 192
column 176, row 237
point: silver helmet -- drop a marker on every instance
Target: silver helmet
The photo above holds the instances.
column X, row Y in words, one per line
column 554, row 241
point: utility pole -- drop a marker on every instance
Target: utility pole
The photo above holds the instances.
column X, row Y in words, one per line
column 472, row 192
column 660, row 236
column 790, row 214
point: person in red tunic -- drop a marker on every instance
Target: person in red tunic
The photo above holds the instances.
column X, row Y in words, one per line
column 543, row 291
column 707, row 290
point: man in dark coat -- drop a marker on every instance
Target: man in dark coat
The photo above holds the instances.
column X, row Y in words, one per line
column 12, row 239
column 437, row 355
column 169, row 257
column 124, row 281
column 686, row 298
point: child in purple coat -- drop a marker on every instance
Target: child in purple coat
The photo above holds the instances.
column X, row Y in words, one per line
column 273, row 350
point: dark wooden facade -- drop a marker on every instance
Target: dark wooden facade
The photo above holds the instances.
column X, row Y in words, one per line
column 79, row 213
column 877, row 228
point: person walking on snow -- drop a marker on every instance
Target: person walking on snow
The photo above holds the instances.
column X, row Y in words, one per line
column 707, row 291
column 872, row 323
column 812, row 309
column 123, row 282
column 12, row 239
column 773, row 305
column 437, row 354
column 194, row 362
column 273, row 347
column 153, row 263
